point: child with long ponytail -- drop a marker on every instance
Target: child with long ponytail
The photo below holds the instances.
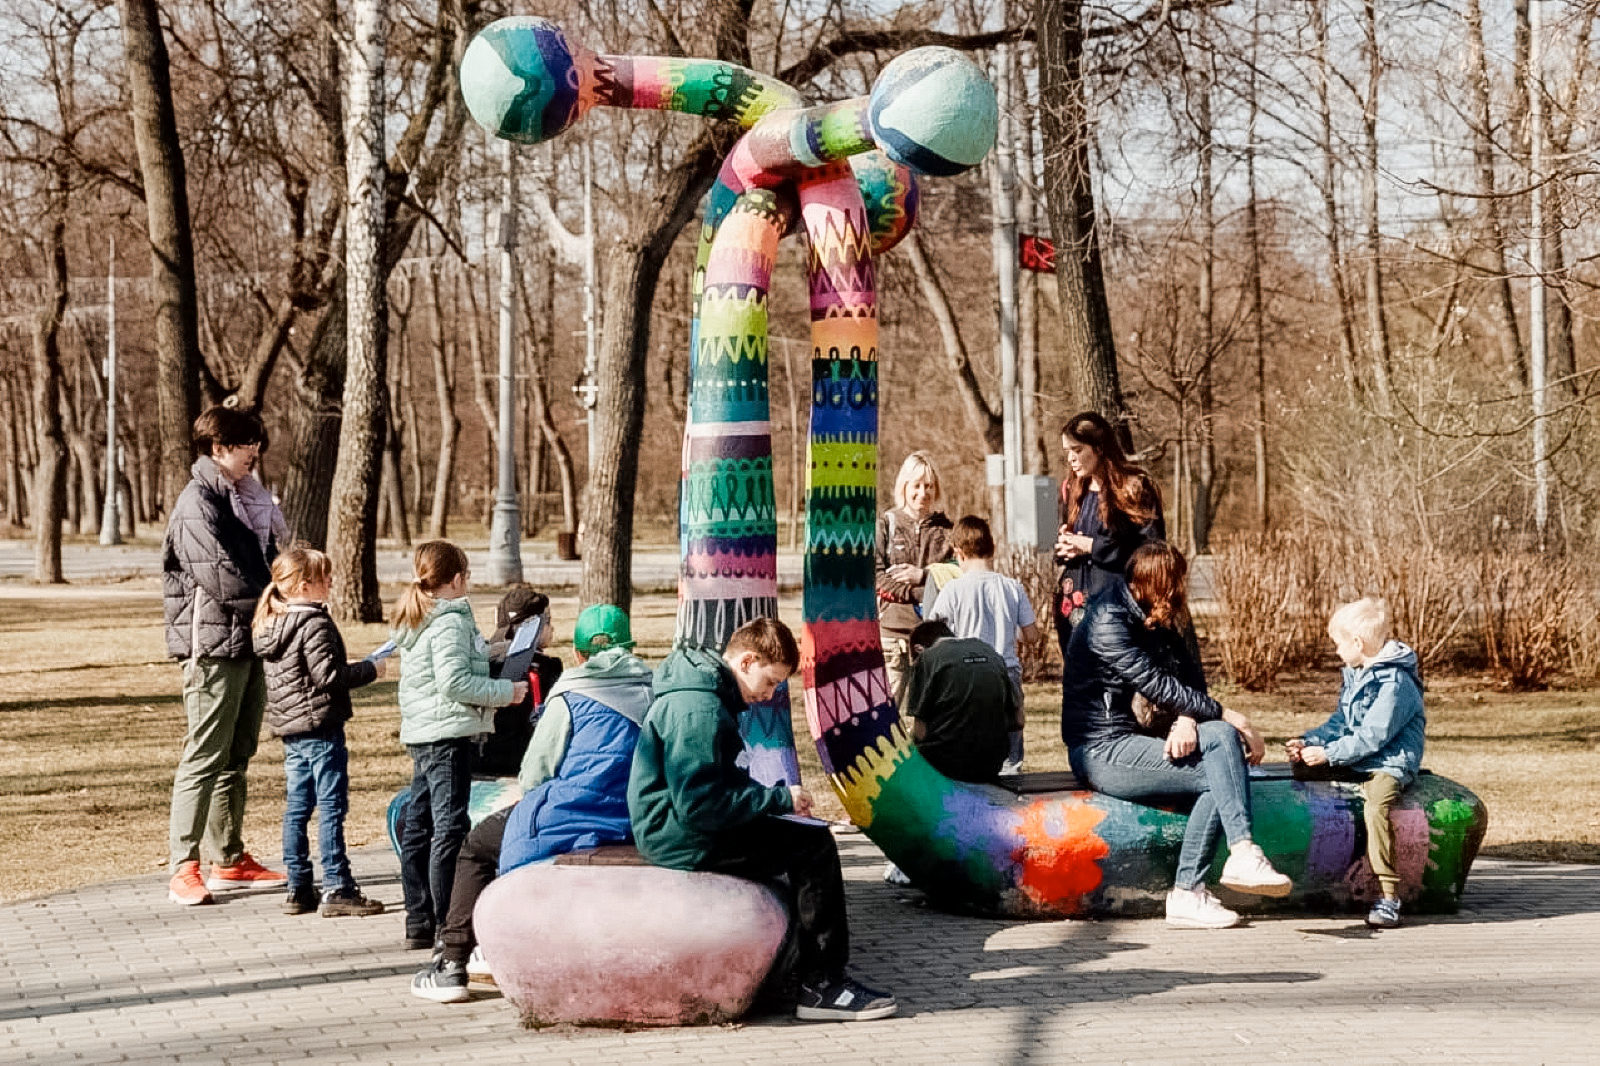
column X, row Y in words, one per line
column 447, row 698
column 308, row 702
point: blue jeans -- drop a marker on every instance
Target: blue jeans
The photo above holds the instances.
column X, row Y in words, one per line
column 316, row 771
column 432, row 829
column 1135, row 767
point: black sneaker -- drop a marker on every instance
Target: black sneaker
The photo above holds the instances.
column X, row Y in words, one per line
column 844, row 1000
column 419, row 939
column 443, row 982
column 300, row 901
column 349, row 903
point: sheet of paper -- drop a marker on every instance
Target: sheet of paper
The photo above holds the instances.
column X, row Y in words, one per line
column 382, row 652
column 801, row 819
column 524, row 637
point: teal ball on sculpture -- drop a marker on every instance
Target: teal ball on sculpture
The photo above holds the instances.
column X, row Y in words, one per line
column 520, row 79
column 934, row 111
column 890, row 193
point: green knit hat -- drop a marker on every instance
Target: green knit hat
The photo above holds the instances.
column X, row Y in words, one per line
column 602, row 626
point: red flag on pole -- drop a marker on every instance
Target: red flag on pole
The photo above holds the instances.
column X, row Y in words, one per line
column 1036, row 253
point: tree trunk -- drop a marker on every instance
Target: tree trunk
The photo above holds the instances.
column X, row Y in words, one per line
column 16, row 515
column 1502, row 302
column 49, row 476
column 443, row 352
column 1069, row 193
column 1258, row 346
column 984, row 421
column 1354, row 384
column 1205, row 482
column 542, row 347
column 353, row 506
column 394, row 489
column 413, row 182
column 632, row 273
column 1377, row 312
column 166, row 197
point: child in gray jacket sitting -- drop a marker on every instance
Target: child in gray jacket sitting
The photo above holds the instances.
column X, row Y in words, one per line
column 1377, row 730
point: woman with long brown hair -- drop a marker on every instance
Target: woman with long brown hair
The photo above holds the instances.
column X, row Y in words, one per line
column 1109, row 507
column 1136, row 643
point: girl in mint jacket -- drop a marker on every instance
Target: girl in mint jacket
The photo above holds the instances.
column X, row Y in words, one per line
column 447, row 699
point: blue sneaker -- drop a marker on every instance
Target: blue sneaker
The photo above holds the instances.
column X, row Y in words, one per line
column 1385, row 914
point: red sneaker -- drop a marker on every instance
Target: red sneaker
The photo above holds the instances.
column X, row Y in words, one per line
column 186, row 888
column 243, row 874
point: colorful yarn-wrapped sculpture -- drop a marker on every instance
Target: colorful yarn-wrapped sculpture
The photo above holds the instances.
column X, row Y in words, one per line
column 846, row 171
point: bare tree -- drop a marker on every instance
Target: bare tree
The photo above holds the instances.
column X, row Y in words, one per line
column 353, row 508
column 155, row 132
column 50, row 475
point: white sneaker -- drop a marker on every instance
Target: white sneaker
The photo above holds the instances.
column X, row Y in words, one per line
column 1247, row 870
column 894, row 875
column 477, row 969
column 1197, row 908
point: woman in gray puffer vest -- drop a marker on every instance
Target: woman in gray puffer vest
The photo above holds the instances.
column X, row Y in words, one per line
column 308, row 703
column 214, row 569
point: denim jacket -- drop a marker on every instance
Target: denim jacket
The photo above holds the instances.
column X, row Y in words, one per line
column 1378, row 727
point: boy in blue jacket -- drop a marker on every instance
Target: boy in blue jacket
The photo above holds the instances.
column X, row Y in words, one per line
column 695, row 808
column 574, row 780
column 1377, row 730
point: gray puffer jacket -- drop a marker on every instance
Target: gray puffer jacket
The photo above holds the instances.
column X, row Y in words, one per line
column 308, row 677
column 212, row 571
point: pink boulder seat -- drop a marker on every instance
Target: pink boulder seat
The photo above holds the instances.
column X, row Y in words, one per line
column 600, row 937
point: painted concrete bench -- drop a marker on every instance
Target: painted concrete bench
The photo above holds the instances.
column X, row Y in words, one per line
column 600, row 937
column 1043, row 847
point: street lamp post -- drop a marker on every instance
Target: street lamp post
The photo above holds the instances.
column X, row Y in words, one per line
column 505, row 530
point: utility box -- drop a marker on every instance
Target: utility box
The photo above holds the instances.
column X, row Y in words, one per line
column 1034, row 511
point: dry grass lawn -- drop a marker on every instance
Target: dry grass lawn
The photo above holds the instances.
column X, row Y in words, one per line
column 91, row 725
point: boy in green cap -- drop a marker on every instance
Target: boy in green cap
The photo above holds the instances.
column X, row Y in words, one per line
column 574, row 779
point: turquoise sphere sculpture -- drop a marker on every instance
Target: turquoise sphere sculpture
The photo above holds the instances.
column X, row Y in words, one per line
column 934, row 111
column 520, row 79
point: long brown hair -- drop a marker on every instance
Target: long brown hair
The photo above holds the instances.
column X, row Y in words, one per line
column 1158, row 577
column 295, row 566
column 1129, row 495
column 437, row 563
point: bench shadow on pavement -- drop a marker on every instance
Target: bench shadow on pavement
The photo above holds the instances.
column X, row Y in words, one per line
column 936, row 962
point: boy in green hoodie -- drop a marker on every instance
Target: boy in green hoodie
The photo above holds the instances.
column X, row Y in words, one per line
column 694, row 807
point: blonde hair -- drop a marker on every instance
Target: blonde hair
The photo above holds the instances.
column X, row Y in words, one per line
column 1366, row 619
column 437, row 563
column 917, row 465
column 295, row 566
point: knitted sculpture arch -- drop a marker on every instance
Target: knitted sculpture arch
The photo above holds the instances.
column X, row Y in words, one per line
column 844, row 173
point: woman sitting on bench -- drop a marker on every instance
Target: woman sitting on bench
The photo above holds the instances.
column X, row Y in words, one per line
column 1133, row 643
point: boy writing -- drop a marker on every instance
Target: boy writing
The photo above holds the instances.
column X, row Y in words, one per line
column 990, row 607
column 1377, row 730
column 694, row 808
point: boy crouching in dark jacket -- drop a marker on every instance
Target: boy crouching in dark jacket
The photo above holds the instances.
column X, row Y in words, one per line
column 308, row 703
column 694, row 808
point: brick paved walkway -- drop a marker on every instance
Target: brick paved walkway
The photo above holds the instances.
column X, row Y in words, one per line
column 114, row 973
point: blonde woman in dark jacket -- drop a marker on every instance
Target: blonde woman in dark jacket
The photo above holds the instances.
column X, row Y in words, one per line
column 912, row 535
column 308, row 702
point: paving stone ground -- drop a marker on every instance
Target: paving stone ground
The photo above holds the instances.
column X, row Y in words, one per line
column 114, row 973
